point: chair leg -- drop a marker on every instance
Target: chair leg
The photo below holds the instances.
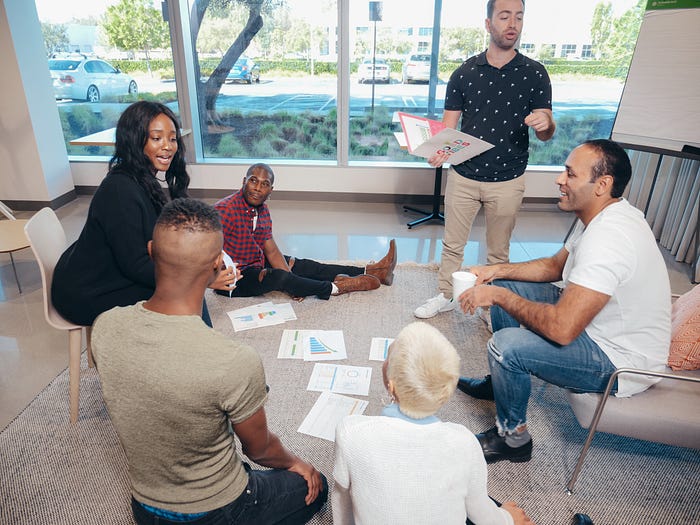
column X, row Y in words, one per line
column 592, row 430
column 88, row 338
column 14, row 269
column 75, row 340
column 581, row 457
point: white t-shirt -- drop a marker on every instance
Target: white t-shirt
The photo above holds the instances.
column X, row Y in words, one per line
column 396, row 471
column 617, row 254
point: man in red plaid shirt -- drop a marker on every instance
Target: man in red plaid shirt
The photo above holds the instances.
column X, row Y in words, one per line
column 248, row 240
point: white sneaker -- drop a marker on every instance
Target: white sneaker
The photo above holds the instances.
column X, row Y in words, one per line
column 435, row 305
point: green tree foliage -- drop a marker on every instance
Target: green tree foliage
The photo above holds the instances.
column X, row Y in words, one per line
column 546, row 52
column 271, row 39
column 624, row 37
column 215, row 37
column 617, row 36
column 601, row 27
column 135, row 25
column 298, row 40
column 55, row 37
column 461, row 42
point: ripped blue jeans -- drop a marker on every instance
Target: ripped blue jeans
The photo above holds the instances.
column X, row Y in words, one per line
column 516, row 353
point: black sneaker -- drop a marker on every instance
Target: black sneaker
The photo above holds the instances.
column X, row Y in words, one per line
column 478, row 388
column 496, row 449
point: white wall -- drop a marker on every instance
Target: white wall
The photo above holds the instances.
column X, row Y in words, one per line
column 33, row 160
column 326, row 179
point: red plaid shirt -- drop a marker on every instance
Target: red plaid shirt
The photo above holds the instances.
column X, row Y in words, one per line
column 246, row 228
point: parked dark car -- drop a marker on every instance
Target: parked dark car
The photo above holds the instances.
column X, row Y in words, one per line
column 244, row 70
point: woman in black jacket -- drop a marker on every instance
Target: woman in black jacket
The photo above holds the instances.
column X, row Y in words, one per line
column 109, row 264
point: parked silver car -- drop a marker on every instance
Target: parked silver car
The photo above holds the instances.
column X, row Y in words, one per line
column 82, row 78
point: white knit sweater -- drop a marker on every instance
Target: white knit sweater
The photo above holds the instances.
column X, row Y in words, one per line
column 389, row 470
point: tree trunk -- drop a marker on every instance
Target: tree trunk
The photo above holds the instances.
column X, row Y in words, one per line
column 208, row 91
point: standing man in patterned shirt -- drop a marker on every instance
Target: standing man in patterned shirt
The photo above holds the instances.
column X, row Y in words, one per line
column 498, row 94
column 248, row 240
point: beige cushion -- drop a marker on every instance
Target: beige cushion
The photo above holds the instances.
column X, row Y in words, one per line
column 684, row 353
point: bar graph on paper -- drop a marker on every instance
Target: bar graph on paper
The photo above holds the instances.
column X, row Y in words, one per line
column 324, row 345
column 327, row 412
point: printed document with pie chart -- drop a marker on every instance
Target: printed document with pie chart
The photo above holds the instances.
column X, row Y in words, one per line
column 340, row 379
column 425, row 137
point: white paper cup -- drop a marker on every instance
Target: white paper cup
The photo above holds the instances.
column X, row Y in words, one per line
column 461, row 281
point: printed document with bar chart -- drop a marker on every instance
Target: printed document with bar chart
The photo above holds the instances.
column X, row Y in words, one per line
column 262, row 314
column 426, row 137
column 324, row 345
column 327, row 412
column 379, row 348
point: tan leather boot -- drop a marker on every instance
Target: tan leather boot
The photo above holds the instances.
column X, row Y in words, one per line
column 384, row 269
column 359, row 283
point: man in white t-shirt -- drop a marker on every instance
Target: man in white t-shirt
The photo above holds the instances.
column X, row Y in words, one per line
column 600, row 303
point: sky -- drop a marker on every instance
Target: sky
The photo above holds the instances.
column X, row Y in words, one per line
column 453, row 10
column 571, row 14
column 59, row 12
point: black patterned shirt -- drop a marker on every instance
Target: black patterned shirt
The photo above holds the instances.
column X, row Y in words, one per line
column 494, row 103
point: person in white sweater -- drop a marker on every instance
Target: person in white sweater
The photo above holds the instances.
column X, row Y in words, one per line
column 407, row 466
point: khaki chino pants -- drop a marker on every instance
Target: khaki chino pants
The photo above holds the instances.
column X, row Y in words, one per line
column 463, row 199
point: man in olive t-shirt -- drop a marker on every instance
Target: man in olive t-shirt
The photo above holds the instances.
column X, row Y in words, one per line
column 172, row 385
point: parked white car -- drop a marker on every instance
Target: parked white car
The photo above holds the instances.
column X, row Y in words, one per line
column 82, row 78
column 381, row 71
column 416, row 68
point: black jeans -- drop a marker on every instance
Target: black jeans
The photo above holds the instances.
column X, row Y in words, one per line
column 272, row 496
column 307, row 277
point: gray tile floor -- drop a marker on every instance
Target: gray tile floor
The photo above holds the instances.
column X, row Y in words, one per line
column 32, row 353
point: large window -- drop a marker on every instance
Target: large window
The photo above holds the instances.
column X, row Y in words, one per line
column 527, row 49
column 277, row 100
column 268, row 82
column 568, row 50
column 101, row 59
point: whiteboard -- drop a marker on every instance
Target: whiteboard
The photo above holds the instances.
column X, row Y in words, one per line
column 660, row 105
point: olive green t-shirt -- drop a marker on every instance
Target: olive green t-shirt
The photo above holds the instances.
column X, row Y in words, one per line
column 171, row 384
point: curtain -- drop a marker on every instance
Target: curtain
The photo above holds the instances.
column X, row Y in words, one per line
column 667, row 189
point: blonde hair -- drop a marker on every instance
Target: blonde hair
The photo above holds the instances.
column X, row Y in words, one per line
column 423, row 367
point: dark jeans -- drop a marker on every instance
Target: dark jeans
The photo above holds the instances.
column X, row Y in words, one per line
column 272, row 496
column 306, row 278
